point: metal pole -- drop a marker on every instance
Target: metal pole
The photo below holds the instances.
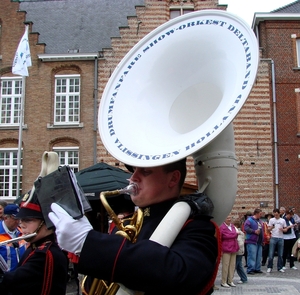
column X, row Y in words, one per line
column 19, row 158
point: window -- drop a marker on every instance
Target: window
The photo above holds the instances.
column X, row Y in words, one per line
column 68, row 156
column 11, row 95
column 298, row 52
column 67, row 100
column 8, row 173
column 174, row 12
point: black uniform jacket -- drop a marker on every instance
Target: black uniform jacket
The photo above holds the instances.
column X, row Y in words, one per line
column 147, row 266
column 42, row 270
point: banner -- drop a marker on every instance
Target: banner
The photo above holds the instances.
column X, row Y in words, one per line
column 22, row 58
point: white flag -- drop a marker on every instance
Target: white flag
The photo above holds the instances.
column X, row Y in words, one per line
column 22, row 58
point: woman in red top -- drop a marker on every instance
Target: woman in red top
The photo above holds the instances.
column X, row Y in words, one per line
column 230, row 246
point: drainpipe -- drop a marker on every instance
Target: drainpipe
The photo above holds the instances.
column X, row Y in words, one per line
column 274, row 123
column 95, row 110
column 275, row 130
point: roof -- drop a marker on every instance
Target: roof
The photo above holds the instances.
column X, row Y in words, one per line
column 84, row 26
column 288, row 12
column 293, row 7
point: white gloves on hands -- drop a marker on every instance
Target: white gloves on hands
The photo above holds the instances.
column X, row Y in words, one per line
column 71, row 233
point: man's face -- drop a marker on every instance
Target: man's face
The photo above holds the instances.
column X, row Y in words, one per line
column 155, row 185
column 11, row 222
column 258, row 215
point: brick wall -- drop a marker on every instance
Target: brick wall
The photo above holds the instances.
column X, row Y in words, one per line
column 38, row 108
column 278, row 42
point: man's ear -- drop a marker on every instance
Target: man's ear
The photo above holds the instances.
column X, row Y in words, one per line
column 175, row 178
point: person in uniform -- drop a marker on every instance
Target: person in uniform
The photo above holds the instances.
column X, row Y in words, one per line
column 43, row 268
column 187, row 267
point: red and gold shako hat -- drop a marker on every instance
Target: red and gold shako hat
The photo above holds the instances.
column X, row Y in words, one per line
column 31, row 208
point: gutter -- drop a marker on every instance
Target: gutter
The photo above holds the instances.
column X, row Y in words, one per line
column 275, row 140
column 68, row 56
column 95, row 110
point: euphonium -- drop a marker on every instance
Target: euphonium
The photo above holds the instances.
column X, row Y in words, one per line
column 129, row 231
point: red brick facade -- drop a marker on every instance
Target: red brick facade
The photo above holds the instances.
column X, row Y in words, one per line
column 37, row 137
column 253, row 126
column 278, row 42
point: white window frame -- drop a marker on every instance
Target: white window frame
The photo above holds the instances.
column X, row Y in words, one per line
column 8, row 187
column 11, row 110
column 182, row 10
column 67, row 111
column 298, row 51
column 66, row 158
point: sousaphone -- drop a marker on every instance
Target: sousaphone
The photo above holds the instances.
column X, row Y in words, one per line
column 176, row 93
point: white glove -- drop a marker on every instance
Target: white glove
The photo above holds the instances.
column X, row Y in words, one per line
column 71, row 233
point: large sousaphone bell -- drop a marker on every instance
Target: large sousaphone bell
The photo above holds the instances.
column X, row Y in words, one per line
column 176, row 93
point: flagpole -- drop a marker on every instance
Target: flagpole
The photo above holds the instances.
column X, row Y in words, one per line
column 19, row 157
column 21, row 62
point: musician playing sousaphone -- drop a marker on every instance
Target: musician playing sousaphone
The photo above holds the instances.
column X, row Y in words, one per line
column 187, row 267
column 43, row 268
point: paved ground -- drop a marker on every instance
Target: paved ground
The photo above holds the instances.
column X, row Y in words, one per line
column 274, row 283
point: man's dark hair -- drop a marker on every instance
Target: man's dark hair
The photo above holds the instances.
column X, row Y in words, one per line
column 257, row 210
column 276, row 210
column 179, row 165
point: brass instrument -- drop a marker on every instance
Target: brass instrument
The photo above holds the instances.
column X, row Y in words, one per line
column 129, row 231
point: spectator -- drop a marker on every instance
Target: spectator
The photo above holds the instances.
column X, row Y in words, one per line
column 297, row 222
column 239, row 255
column 246, row 216
column 254, row 241
column 276, row 225
column 2, row 205
column 11, row 252
column 282, row 212
column 230, row 246
column 289, row 238
column 267, row 237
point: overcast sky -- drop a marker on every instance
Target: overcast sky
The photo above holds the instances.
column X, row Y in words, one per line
column 246, row 8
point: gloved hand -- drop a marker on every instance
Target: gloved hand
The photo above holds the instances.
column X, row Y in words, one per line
column 200, row 204
column 71, row 233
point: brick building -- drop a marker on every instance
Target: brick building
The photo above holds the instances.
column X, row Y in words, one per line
column 81, row 43
column 278, row 36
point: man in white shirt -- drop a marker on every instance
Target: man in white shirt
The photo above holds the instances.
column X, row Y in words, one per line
column 277, row 226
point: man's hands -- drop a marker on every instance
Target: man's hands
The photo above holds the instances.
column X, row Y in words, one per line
column 71, row 233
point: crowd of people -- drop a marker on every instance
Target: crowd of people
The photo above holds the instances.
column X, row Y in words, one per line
column 258, row 238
